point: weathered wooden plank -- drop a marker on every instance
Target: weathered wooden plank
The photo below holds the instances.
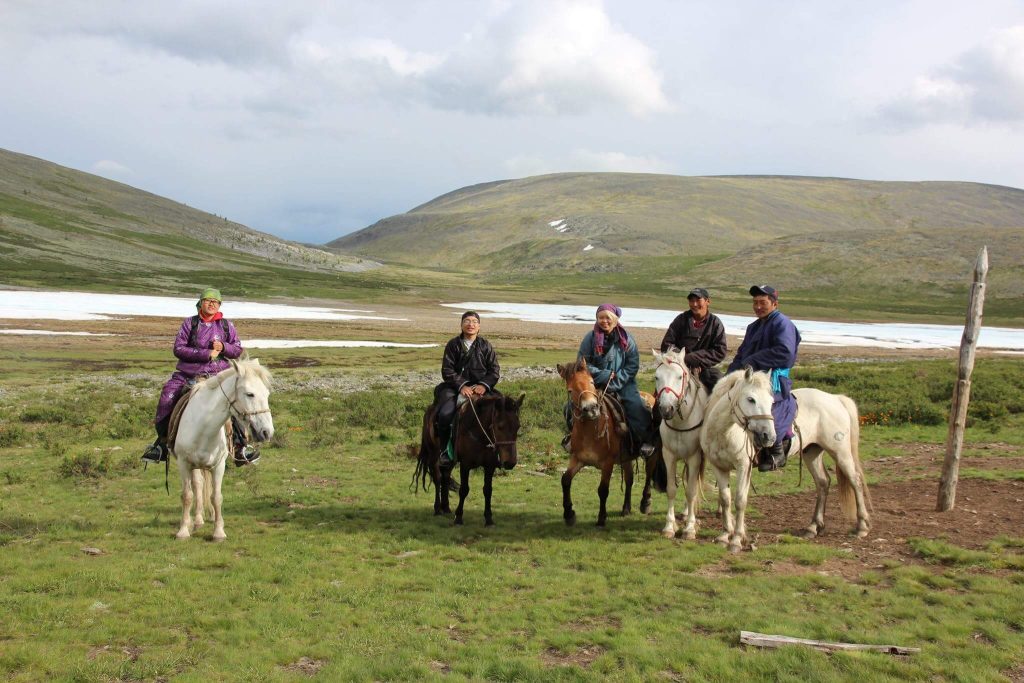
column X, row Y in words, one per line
column 766, row 640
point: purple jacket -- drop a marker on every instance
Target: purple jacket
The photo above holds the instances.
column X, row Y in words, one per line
column 195, row 360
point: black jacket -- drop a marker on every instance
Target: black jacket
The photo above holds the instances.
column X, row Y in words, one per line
column 478, row 366
column 704, row 348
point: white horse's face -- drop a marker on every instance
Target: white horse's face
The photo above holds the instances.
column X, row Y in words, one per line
column 752, row 407
column 252, row 401
column 670, row 379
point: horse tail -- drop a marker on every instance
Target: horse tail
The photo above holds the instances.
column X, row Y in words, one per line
column 423, row 464
column 847, row 495
column 208, row 493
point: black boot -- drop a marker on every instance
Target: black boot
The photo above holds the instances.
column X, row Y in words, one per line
column 242, row 451
column 157, row 451
column 774, row 457
column 565, row 442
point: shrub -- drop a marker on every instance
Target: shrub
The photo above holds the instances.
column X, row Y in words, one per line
column 11, row 435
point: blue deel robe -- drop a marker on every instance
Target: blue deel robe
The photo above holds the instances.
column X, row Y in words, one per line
column 625, row 365
column 768, row 345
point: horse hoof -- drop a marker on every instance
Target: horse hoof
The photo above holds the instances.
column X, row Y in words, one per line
column 458, row 521
column 723, row 539
column 600, row 523
column 810, row 532
column 735, row 547
column 860, row 533
column 570, row 519
column 690, row 535
column 668, row 533
column 489, row 522
column 645, row 508
column 218, row 539
column 626, row 512
column 183, row 535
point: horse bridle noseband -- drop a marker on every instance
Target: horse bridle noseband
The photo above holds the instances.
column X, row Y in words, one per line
column 491, row 443
column 744, row 420
column 243, row 416
column 679, row 396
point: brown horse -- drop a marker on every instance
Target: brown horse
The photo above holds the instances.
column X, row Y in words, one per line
column 486, row 430
column 596, row 441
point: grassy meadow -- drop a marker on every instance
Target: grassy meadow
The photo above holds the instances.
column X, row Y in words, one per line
column 336, row 569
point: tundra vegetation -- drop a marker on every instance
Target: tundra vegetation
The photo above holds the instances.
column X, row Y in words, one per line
column 336, row 567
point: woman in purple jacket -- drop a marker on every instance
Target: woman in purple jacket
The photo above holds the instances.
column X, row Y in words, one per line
column 204, row 343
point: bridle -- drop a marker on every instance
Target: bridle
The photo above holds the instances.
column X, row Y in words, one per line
column 491, row 442
column 678, row 394
column 244, row 416
column 742, row 419
column 577, row 410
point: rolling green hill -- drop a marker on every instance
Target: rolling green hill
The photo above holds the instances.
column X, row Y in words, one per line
column 885, row 246
column 62, row 228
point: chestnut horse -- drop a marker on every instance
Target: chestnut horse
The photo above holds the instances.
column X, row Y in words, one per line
column 486, row 430
column 596, row 441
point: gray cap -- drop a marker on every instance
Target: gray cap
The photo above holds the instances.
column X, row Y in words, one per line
column 699, row 292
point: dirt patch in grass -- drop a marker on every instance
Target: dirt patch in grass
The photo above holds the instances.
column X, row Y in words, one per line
column 984, row 510
column 582, row 657
column 306, row 666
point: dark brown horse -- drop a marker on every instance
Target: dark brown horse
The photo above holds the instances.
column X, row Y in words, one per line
column 486, row 430
column 596, row 441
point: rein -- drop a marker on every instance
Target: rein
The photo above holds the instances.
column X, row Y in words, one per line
column 491, row 443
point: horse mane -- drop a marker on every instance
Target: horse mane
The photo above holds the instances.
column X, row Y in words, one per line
column 245, row 367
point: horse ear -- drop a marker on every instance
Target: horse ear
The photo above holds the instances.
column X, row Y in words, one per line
column 234, row 365
column 657, row 355
column 748, row 372
column 519, row 401
column 561, row 370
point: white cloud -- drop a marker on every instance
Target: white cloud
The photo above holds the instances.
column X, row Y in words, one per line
column 984, row 85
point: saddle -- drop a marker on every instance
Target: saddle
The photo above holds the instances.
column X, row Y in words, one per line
column 176, row 413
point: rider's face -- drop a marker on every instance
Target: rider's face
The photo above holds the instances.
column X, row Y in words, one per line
column 605, row 321
column 210, row 306
column 470, row 326
column 764, row 306
column 698, row 306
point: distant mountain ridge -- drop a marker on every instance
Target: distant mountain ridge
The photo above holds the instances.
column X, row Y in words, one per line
column 61, row 225
column 803, row 233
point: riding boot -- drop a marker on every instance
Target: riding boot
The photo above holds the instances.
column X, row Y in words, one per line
column 157, row 451
column 243, row 453
column 774, row 457
column 651, row 440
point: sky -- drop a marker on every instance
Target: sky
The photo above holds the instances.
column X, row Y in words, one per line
column 311, row 119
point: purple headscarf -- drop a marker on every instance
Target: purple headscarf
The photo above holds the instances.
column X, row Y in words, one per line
column 599, row 335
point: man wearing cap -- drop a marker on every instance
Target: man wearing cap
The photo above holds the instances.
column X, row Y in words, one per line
column 769, row 345
column 469, row 368
column 701, row 334
column 204, row 343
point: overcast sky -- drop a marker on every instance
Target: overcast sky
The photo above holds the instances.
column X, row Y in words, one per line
column 312, row 119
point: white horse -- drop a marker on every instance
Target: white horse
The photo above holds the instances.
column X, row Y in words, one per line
column 201, row 445
column 739, row 421
column 682, row 400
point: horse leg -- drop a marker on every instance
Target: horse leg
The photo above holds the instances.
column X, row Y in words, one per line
column 724, row 504
column 813, row 460
column 488, row 475
column 185, row 530
column 670, row 491
column 217, row 499
column 739, row 535
column 627, row 474
column 846, row 462
column 645, row 498
column 463, row 492
column 693, row 479
column 607, row 467
column 567, row 512
column 199, row 493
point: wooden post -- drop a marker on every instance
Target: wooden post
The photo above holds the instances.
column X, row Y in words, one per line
column 962, row 390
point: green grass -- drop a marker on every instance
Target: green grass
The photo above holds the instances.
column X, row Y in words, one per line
column 331, row 557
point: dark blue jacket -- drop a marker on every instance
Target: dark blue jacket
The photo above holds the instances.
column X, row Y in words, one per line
column 768, row 344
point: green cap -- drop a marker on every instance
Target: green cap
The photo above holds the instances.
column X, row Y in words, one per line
column 209, row 293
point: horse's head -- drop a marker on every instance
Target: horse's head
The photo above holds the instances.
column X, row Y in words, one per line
column 751, row 399
column 251, row 399
column 505, row 427
column 582, row 392
column 671, row 378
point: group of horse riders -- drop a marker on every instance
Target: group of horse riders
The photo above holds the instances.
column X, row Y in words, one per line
column 470, row 369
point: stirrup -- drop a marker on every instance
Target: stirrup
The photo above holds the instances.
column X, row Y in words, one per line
column 565, row 442
column 155, row 453
column 249, row 455
column 647, row 450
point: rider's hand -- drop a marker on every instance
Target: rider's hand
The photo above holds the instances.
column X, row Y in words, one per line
column 218, row 345
column 479, row 389
column 214, row 353
column 466, row 391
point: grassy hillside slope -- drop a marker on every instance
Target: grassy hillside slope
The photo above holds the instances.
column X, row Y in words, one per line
column 65, row 228
column 897, row 247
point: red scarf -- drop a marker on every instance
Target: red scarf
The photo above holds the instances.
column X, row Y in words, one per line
column 216, row 316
